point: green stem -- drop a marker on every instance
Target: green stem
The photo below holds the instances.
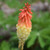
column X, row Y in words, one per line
column 21, row 45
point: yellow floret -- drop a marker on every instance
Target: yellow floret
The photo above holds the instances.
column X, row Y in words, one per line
column 22, row 32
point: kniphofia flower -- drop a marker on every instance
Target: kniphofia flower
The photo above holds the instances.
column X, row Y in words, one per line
column 24, row 25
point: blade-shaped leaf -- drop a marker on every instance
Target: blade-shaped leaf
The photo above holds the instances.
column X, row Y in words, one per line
column 31, row 41
column 42, row 43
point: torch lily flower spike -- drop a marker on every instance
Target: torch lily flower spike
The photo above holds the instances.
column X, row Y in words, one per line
column 24, row 25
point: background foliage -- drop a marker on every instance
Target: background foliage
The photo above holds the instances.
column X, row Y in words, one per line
column 39, row 38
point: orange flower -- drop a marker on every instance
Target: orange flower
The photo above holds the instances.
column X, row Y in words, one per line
column 24, row 25
column 25, row 16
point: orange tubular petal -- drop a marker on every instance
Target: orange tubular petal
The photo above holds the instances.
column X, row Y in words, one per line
column 25, row 15
column 30, row 16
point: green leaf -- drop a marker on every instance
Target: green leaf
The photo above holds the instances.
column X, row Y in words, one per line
column 14, row 48
column 13, row 38
column 49, row 48
column 0, row 47
column 5, row 45
column 4, row 27
column 41, row 41
column 1, row 37
column 45, row 33
column 31, row 41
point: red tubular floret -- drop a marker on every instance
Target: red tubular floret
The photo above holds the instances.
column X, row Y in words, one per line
column 25, row 15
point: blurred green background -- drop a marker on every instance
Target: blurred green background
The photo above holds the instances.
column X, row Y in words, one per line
column 39, row 38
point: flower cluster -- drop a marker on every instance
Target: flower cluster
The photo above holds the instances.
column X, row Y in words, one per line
column 24, row 25
column 25, row 15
